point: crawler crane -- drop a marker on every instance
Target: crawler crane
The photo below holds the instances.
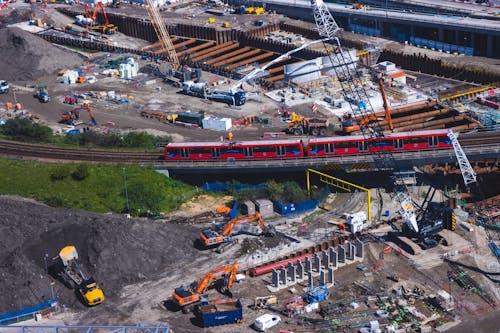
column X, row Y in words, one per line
column 188, row 297
column 352, row 90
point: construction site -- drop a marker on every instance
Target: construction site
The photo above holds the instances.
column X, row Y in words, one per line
column 345, row 181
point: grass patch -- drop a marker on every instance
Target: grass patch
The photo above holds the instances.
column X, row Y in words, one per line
column 95, row 188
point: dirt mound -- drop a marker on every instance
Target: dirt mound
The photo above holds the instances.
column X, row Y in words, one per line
column 115, row 250
column 26, row 57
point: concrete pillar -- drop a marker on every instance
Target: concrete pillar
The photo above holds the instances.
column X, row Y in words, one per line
column 326, row 259
column 322, row 278
column 489, row 46
column 308, row 264
column 316, row 263
column 341, row 254
column 275, row 280
column 283, row 276
column 291, row 272
column 309, row 279
column 333, row 257
column 300, row 270
column 330, row 276
column 359, row 248
column 351, row 251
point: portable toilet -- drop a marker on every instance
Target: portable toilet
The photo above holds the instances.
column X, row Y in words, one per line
column 264, row 207
column 247, row 208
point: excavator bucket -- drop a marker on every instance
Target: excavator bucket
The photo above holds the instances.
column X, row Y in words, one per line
column 67, row 254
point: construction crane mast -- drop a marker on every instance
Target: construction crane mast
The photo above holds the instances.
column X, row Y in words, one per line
column 352, row 90
column 162, row 33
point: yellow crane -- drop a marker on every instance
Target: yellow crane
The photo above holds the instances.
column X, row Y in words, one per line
column 162, row 33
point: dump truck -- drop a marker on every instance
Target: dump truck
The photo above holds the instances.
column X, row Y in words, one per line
column 67, row 268
column 220, row 313
column 299, row 125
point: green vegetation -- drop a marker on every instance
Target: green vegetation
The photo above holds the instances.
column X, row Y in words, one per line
column 94, row 188
column 285, row 192
column 26, row 130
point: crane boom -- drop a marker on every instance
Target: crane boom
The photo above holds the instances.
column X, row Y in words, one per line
column 465, row 167
column 162, row 33
column 352, row 89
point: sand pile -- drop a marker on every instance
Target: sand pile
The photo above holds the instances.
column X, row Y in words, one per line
column 113, row 249
column 26, row 57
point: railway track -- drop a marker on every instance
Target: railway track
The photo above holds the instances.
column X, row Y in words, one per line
column 23, row 150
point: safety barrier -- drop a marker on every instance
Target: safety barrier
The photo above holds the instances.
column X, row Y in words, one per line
column 28, row 313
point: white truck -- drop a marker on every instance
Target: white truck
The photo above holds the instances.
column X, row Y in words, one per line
column 4, row 87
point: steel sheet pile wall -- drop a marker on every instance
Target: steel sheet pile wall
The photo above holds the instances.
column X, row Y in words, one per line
column 422, row 63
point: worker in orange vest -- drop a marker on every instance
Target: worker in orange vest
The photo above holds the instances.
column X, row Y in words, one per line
column 230, row 136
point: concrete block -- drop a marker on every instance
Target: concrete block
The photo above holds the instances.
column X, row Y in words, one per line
column 322, row 278
column 316, row 263
column 308, row 264
column 300, row 271
column 275, row 279
column 326, row 259
column 330, row 276
column 333, row 256
column 359, row 248
column 283, row 275
column 341, row 254
column 309, row 278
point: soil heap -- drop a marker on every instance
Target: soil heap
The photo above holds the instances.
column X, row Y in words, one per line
column 113, row 249
column 26, row 57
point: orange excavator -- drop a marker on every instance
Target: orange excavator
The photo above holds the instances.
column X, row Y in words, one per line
column 72, row 117
column 106, row 28
column 350, row 125
column 223, row 277
column 210, row 237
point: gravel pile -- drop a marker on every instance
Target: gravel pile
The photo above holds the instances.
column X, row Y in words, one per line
column 115, row 250
column 26, row 57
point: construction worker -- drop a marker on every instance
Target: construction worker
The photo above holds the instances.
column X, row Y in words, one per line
column 230, row 136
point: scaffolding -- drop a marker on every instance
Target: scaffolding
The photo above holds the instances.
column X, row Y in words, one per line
column 139, row 328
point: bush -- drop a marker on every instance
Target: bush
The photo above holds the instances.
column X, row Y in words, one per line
column 81, row 172
column 26, row 130
column 60, row 173
column 142, row 198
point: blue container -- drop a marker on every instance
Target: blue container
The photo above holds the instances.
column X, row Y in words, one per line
column 220, row 314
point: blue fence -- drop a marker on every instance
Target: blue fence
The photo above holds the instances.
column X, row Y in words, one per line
column 26, row 313
column 364, row 30
column 294, row 208
column 221, row 187
column 445, row 47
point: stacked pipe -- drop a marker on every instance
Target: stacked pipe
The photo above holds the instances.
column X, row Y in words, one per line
column 422, row 63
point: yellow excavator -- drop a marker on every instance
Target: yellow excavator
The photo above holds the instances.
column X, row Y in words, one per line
column 67, row 269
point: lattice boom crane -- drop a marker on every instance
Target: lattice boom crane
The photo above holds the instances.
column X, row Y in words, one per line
column 162, row 33
column 353, row 91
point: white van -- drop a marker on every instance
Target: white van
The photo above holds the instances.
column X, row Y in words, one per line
column 266, row 321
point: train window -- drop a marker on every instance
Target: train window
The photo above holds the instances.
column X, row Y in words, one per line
column 315, row 148
column 329, row 148
column 341, row 145
column 293, row 150
column 414, row 141
column 264, row 149
column 173, row 152
column 232, row 150
column 185, row 152
column 433, row 141
column 397, row 143
column 216, row 152
column 201, row 150
column 445, row 140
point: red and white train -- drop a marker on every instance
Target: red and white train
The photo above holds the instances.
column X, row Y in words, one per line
column 328, row 146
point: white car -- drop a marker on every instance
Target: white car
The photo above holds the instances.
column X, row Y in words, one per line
column 266, row 321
